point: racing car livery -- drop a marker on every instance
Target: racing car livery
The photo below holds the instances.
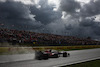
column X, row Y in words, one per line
column 39, row 55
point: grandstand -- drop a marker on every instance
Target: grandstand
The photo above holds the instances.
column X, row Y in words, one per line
column 42, row 39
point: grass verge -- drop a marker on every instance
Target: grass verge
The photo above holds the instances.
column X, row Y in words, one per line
column 67, row 48
column 94, row 63
column 15, row 50
column 24, row 50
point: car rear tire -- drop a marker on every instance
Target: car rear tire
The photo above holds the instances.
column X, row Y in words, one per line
column 56, row 55
column 45, row 56
column 65, row 54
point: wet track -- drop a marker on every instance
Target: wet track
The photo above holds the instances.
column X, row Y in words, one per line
column 75, row 57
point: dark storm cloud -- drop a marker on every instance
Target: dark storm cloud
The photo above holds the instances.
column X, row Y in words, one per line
column 78, row 21
column 17, row 14
column 91, row 9
column 45, row 14
column 87, row 22
column 85, row 27
column 69, row 6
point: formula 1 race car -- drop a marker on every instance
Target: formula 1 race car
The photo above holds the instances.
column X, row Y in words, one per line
column 39, row 55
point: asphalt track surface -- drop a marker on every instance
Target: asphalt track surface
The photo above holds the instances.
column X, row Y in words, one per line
column 75, row 57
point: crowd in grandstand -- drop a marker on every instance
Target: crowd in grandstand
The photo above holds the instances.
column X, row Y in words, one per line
column 16, row 36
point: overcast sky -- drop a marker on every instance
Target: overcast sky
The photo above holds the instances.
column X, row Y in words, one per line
column 79, row 18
